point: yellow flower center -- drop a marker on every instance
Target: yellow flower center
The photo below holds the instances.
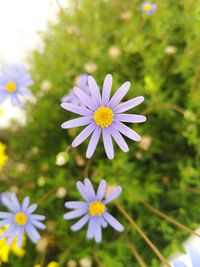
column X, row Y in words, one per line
column 96, row 208
column 148, row 7
column 11, row 87
column 21, row 218
column 103, row 116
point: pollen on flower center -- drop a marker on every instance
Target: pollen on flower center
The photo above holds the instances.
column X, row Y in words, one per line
column 148, row 7
column 96, row 208
column 11, row 87
column 103, row 116
column 21, row 218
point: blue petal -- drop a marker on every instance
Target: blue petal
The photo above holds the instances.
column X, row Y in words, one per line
column 113, row 222
column 91, row 228
column 32, row 233
column 113, row 195
column 178, row 263
column 81, row 188
column 98, row 232
column 90, row 190
column 195, row 256
column 20, row 237
column 77, row 226
column 75, row 214
column 25, row 203
column 101, row 189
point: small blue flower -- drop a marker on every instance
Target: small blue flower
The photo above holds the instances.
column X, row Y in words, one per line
column 71, row 97
column 104, row 116
column 14, row 81
column 21, row 220
column 93, row 209
column 194, row 257
column 148, row 8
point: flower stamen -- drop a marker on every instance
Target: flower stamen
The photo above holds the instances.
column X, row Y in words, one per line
column 103, row 117
column 21, row 218
column 96, row 208
column 148, row 7
column 11, row 87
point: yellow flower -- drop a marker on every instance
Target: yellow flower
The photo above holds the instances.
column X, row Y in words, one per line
column 53, row 264
column 3, row 156
column 6, row 250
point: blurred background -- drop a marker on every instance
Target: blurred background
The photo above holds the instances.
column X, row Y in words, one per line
column 159, row 53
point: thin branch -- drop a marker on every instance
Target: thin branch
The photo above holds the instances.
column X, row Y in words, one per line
column 169, row 219
column 164, row 105
column 194, row 190
column 47, row 195
column 135, row 252
column 96, row 259
column 143, row 235
column 87, row 167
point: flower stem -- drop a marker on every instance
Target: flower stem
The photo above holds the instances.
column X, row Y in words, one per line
column 169, row 219
column 47, row 195
column 96, row 259
column 135, row 252
column 143, row 235
column 194, row 190
column 87, row 167
column 164, row 105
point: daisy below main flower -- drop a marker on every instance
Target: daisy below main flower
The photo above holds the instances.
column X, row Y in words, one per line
column 14, row 81
column 148, row 8
column 93, row 209
column 21, row 220
column 104, row 115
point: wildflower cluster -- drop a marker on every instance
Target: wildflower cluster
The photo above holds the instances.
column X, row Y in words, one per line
column 154, row 187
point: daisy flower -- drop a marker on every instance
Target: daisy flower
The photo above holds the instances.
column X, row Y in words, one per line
column 21, row 220
column 93, row 209
column 71, row 97
column 148, row 8
column 194, row 257
column 104, row 116
column 14, row 81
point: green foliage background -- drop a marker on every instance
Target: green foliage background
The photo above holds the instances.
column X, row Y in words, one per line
column 166, row 175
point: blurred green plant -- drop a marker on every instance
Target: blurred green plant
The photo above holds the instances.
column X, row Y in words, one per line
column 159, row 54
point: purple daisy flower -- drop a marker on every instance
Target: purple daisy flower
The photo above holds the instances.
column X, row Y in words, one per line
column 148, row 8
column 104, row 116
column 71, row 97
column 93, row 209
column 21, row 220
column 14, row 81
column 194, row 257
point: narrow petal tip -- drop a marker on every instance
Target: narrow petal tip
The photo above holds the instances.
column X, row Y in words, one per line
column 144, row 118
column 109, row 76
column 87, row 180
column 111, row 156
column 63, row 125
column 121, row 228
